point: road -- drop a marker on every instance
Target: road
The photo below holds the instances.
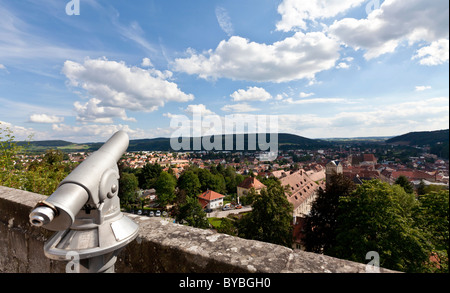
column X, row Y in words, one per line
column 222, row 214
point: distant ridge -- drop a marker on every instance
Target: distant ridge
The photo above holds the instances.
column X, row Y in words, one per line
column 438, row 141
column 421, row 138
column 286, row 141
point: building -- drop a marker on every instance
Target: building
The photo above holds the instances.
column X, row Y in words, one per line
column 211, row 199
column 362, row 160
column 301, row 191
column 333, row 168
column 248, row 183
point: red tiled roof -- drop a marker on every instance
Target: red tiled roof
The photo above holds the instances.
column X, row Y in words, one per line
column 250, row 182
column 369, row 158
column 210, row 195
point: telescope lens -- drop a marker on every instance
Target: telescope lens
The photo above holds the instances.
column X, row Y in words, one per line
column 41, row 216
column 37, row 221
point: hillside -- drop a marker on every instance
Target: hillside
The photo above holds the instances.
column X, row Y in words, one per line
column 285, row 142
column 421, row 138
column 438, row 141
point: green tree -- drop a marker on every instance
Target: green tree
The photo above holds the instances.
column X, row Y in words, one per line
column 53, row 157
column 165, row 188
column 189, row 182
column 404, row 182
column 433, row 218
column 270, row 219
column 321, row 223
column 9, row 150
column 128, row 187
column 227, row 226
column 192, row 214
column 148, row 175
column 379, row 217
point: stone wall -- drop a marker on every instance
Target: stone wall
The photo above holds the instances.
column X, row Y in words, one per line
column 161, row 247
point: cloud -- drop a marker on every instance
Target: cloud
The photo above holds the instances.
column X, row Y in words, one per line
column 135, row 33
column 146, row 62
column 239, row 108
column 92, row 112
column 116, row 87
column 396, row 21
column 44, row 118
column 305, row 95
column 297, row 57
column 296, row 14
column 198, row 109
column 2, row 67
column 315, row 101
column 435, row 54
column 421, row 88
column 224, row 21
column 429, row 114
column 94, row 132
column 342, row 65
column 251, row 94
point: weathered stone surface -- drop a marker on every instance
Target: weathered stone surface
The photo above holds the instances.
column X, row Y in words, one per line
column 161, row 247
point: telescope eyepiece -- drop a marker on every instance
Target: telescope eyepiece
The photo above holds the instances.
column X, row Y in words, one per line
column 41, row 216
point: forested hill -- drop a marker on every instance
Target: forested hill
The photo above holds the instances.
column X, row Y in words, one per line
column 421, row 138
column 437, row 140
column 285, row 142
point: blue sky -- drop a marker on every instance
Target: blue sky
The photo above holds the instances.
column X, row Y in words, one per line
column 332, row 68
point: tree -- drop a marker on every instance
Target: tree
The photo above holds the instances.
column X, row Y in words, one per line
column 192, row 213
column 433, row 218
column 190, row 183
column 227, row 227
column 128, row 187
column 165, row 188
column 8, row 156
column 149, row 175
column 321, row 223
column 53, row 157
column 404, row 182
column 379, row 217
column 270, row 219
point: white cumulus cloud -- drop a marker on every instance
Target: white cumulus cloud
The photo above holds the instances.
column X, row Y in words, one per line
column 395, row 22
column 117, row 87
column 44, row 118
column 434, row 54
column 295, row 14
column 297, row 57
column 251, row 94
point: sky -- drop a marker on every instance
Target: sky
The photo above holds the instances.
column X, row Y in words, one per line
column 81, row 70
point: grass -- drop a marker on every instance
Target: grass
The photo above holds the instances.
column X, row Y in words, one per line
column 215, row 222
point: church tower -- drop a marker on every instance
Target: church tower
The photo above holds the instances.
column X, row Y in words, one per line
column 332, row 168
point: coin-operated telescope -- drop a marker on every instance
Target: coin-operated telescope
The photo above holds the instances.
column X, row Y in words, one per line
column 85, row 209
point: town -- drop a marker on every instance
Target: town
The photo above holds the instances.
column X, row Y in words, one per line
column 301, row 172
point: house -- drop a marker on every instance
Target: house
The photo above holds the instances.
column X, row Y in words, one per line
column 247, row 184
column 301, row 191
column 211, row 199
column 362, row 160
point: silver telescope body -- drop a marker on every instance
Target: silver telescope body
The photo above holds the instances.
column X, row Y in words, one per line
column 85, row 209
column 87, row 186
